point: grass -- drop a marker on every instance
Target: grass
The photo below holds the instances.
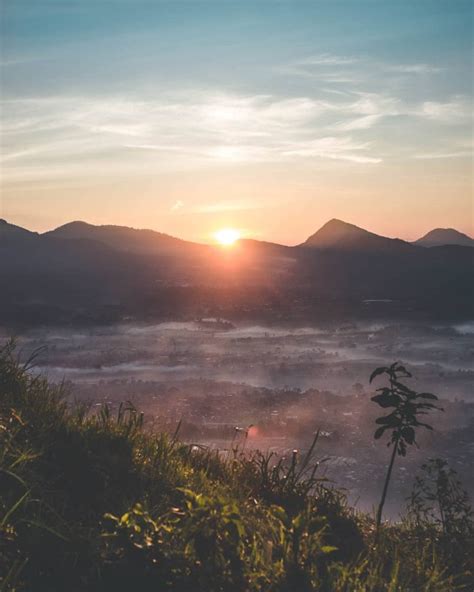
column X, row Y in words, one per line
column 92, row 502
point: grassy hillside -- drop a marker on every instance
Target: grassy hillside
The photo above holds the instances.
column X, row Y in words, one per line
column 94, row 502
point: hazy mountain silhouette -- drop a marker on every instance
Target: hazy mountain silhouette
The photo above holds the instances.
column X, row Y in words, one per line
column 80, row 271
column 122, row 238
column 444, row 236
column 10, row 232
column 340, row 235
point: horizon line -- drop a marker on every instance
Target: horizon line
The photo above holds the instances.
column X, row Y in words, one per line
column 242, row 238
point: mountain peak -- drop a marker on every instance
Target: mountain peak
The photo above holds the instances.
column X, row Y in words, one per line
column 339, row 235
column 445, row 236
column 336, row 233
column 336, row 222
column 76, row 224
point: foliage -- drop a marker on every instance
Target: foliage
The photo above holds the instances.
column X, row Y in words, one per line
column 196, row 546
column 438, row 498
column 440, row 508
column 91, row 502
column 406, row 406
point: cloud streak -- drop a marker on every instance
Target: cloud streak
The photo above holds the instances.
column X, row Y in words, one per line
column 202, row 129
column 351, row 68
column 178, row 204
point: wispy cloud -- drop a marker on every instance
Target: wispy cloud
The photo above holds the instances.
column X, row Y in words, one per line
column 365, row 122
column 457, row 109
column 6, row 62
column 414, row 69
column 178, row 204
column 61, row 135
column 335, row 148
column 352, row 69
column 202, row 129
column 439, row 155
column 327, row 59
column 367, row 110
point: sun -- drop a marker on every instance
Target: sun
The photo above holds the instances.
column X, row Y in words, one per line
column 227, row 236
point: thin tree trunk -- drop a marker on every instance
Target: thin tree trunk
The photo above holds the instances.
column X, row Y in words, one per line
column 387, row 481
column 440, row 506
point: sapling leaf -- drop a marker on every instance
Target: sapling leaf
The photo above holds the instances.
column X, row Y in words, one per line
column 388, row 420
column 408, row 433
column 404, row 370
column 377, row 372
column 379, row 432
column 386, row 400
column 403, row 388
column 425, row 425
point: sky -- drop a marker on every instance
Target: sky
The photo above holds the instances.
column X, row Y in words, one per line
column 270, row 117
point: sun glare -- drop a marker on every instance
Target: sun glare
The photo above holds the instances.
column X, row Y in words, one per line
column 227, row 236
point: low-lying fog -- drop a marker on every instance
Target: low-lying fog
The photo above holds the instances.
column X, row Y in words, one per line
column 442, row 358
column 286, row 382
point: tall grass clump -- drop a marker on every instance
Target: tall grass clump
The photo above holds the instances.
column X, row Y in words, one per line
column 92, row 502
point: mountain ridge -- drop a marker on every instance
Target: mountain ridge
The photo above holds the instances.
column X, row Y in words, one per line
column 340, row 235
column 333, row 234
column 444, row 236
column 144, row 274
column 12, row 231
column 122, row 238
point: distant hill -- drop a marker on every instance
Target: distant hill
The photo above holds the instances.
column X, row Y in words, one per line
column 444, row 236
column 122, row 238
column 339, row 235
column 82, row 271
column 10, row 232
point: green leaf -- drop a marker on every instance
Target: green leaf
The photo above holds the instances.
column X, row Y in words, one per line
column 425, row 425
column 15, row 507
column 279, row 513
column 388, row 420
column 408, row 434
column 402, row 387
column 403, row 369
column 377, row 371
column 328, row 549
column 427, row 396
column 386, row 400
column 425, row 406
column 379, row 432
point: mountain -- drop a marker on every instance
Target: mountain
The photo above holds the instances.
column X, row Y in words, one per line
column 100, row 273
column 10, row 232
column 184, row 262
column 444, row 236
column 121, row 238
column 342, row 236
column 342, row 261
column 23, row 251
column 49, row 279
